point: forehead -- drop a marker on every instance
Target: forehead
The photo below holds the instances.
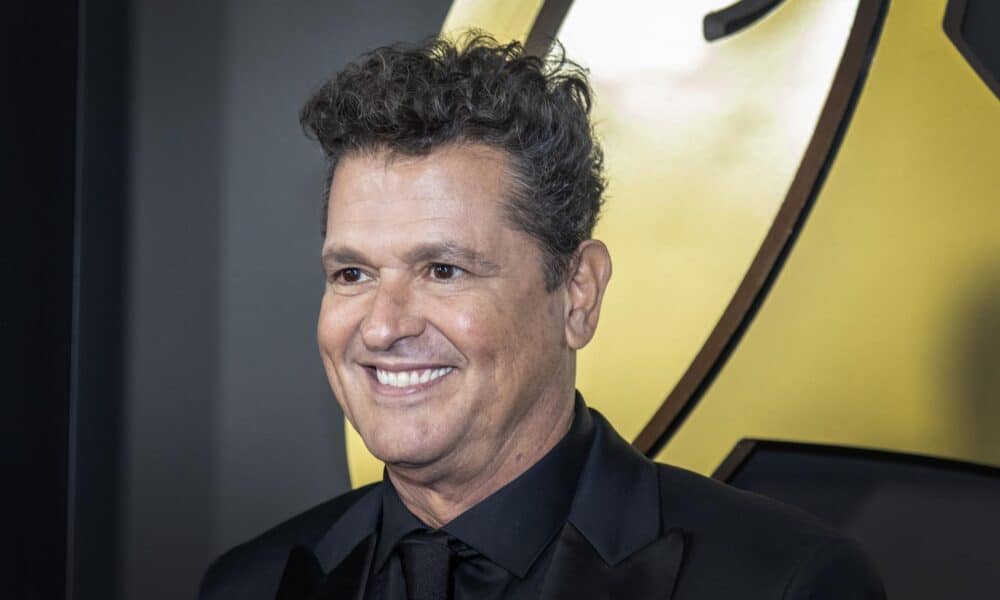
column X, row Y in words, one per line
column 454, row 192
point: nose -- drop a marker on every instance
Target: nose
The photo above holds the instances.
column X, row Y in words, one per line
column 390, row 316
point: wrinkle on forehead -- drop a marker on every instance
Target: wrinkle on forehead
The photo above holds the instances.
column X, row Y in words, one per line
column 453, row 196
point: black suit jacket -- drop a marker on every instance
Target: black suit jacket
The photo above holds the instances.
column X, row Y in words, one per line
column 636, row 529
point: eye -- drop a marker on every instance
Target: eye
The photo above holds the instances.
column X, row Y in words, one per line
column 443, row 272
column 349, row 275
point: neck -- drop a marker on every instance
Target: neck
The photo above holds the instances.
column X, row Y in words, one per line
column 437, row 499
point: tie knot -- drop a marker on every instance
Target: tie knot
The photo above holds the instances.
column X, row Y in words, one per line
column 427, row 536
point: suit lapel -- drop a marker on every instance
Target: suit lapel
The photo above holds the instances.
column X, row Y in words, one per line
column 616, row 543
column 337, row 565
column 349, row 578
column 303, row 579
column 579, row 572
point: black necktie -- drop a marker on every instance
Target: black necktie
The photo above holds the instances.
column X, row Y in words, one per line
column 426, row 565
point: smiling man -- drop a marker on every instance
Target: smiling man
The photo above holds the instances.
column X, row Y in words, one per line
column 462, row 279
column 438, row 331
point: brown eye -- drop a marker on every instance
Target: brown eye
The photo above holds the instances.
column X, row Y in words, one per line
column 444, row 272
column 349, row 275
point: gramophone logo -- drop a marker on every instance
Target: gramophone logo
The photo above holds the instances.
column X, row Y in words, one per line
column 803, row 218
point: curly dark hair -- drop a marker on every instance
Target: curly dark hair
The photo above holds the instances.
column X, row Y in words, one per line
column 411, row 99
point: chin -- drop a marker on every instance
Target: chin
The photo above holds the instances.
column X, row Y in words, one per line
column 406, row 457
column 403, row 446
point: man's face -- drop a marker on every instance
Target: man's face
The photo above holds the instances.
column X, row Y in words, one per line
column 437, row 334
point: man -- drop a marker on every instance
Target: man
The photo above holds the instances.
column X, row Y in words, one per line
column 461, row 281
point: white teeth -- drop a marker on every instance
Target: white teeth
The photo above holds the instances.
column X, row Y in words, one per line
column 409, row 378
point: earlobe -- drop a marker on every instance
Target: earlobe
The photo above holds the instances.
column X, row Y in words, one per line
column 585, row 292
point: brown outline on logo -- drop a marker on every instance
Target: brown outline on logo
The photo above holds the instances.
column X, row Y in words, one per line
column 833, row 121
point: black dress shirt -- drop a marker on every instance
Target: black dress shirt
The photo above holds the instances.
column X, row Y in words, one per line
column 504, row 543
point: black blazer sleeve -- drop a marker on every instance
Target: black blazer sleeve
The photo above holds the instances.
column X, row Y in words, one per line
column 835, row 570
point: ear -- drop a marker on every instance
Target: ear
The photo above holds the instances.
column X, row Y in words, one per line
column 584, row 290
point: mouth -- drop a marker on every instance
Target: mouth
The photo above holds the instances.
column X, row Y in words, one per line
column 406, row 379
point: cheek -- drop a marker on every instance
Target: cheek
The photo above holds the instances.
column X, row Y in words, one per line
column 506, row 332
column 334, row 327
column 479, row 329
column 334, row 332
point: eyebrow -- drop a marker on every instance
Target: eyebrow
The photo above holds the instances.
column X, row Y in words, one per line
column 443, row 252
column 343, row 255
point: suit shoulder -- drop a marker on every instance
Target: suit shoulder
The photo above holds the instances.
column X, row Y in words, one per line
column 777, row 550
column 837, row 569
column 703, row 502
column 235, row 574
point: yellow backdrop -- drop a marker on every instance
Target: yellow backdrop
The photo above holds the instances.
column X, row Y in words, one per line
column 872, row 334
column 875, row 333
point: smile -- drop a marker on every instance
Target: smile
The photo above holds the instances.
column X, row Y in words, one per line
column 408, row 378
column 405, row 379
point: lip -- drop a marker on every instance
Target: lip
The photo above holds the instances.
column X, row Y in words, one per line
column 405, row 366
column 409, row 391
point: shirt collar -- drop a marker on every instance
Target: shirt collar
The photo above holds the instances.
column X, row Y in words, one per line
column 397, row 522
column 515, row 524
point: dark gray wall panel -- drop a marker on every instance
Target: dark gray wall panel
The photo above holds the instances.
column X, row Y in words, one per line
column 172, row 340
column 229, row 424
